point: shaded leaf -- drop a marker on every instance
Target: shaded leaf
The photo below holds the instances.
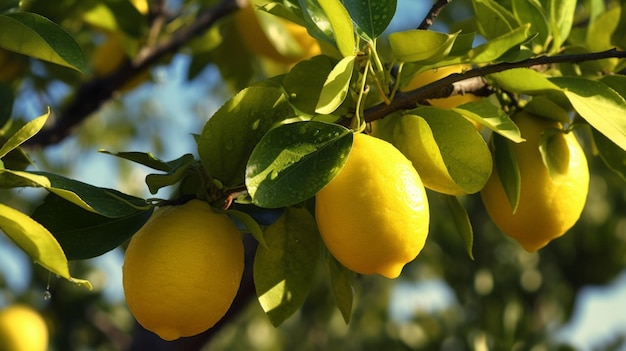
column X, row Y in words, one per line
column 294, row 161
column 612, row 155
column 462, row 223
column 37, row 242
column 84, row 234
column 283, row 273
column 530, row 11
column 508, row 170
column 249, row 224
column 36, row 36
column 6, row 103
column 341, row 286
column 315, row 72
column 372, row 16
column 552, row 147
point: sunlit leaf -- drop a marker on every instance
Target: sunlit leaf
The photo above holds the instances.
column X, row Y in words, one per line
column 36, row 36
column 530, row 11
column 462, row 223
column 561, row 16
column 283, row 272
column 421, row 45
column 84, row 234
column 491, row 117
column 314, row 72
column 598, row 104
column 493, row 19
column 498, row 46
column 336, row 86
column 26, row 132
column 149, row 160
column 341, row 24
column 372, row 16
column 524, row 81
column 294, row 161
column 37, row 242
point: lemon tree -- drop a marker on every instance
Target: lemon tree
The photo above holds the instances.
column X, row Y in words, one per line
column 339, row 145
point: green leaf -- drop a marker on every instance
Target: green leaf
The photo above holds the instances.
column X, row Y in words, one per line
column 26, row 132
column 461, row 222
column 84, row 234
column 178, row 169
column 530, row 11
column 336, row 86
column 496, row 47
column 507, row 168
column 294, row 161
column 547, row 107
column 341, row 286
column 107, row 202
column 552, row 147
column 493, row 19
column 341, row 24
column 149, row 160
column 250, row 224
column 463, row 150
column 491, row 117
column 37, row 242
column 36, row 36
column 421, row 45
column 284, row 272
column 524, row 81
column 116, row 16
column 231, row 134
column 598, row 104
column 372, row 16
column 314, row 72
column 612, row 155
column 561, row 16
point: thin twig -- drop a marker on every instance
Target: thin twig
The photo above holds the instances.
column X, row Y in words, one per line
column 433, row 13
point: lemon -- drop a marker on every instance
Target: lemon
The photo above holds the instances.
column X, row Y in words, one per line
column 182, row 270
column 548, row 206
column 374, row 216
column 291, row 42
column 22, row 329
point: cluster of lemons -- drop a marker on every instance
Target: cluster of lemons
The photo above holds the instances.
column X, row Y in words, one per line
column 183, row 268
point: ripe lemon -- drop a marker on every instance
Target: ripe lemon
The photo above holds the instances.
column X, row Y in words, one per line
column 433, row 75
column 22, row 329
column 295, row 45
column 548, row 206
column 373, row 216
column 183, row 269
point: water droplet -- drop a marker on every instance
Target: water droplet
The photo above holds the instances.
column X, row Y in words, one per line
column 47, row 295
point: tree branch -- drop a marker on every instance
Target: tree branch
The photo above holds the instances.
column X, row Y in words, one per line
column 458, row 82
column 433, row 13
column 92, row 94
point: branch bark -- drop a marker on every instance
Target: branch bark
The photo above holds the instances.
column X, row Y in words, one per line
column 434, row 11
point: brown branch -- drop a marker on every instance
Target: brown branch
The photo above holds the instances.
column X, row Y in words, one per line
column 433, row 13
column 453, row 84
column 92, row 94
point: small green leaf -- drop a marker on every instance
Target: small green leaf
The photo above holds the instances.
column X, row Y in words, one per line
column 612, row 155
column 250, row 224
column 552, row 147
column 336, row 86
column 491, row 117
column 462, row 223
column 530, row 11
column 84, row 234
column 561, row 16
column 37, row 242
column 341, row 24
column 294, row 161
column 284, row 272
column 314, row 72
column 421, row 45
column 231, row 134
column 149, row 160
column 507, row 168
column 341, row 285
column 372, row 16
column 493, row 19
column 107, row 202
column 36, row 36
column 26, row 132
column 496, row 47
column 524, row 81
column 178, row 169
column 598, row 104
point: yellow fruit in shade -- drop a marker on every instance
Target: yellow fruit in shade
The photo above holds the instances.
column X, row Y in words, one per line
column 297, row 44
column 374, row 216
column 182, row 270
column 548, row 206
column 12, row 65
column 22, row 329
column 109, row 56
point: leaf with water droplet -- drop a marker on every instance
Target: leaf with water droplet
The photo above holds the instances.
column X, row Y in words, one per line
column 372, row 16
column 294, row 161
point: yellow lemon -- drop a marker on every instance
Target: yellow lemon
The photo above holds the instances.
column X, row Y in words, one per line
column 22, row 329
column 374, row 216
column 182, row 270
column 548, row 206
column 295, row 45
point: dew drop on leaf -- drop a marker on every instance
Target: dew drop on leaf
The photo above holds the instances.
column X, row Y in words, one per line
column 47, row 295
